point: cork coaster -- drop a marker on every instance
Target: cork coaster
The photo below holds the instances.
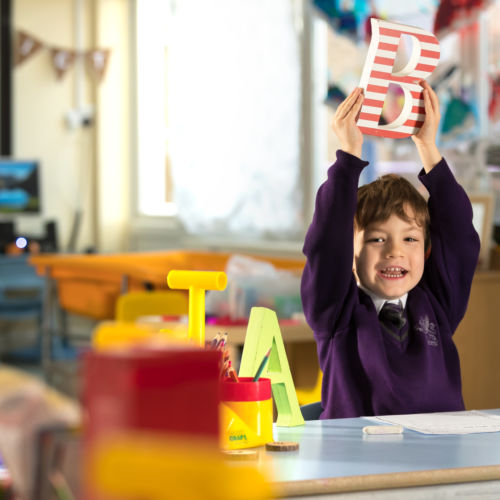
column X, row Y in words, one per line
column 282, row 446
column 240, row 454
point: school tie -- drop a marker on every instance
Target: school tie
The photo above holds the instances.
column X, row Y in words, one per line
column 393, row 321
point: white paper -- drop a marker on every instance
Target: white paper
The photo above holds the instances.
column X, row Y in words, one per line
column 459, row 422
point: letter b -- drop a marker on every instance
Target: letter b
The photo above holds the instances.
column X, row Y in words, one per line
column 377, row 74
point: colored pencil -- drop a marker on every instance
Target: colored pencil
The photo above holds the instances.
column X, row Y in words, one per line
column 214, row 342
column 232, row 374
column 262, row 366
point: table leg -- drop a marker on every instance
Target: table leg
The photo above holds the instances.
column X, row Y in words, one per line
column 47, row 325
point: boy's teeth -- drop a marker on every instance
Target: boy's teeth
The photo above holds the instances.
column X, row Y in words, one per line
column 393, row 272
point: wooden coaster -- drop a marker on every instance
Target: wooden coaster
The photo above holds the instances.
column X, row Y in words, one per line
column 240, row 454
column 282, row 446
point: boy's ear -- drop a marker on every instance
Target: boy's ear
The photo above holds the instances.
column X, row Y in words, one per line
column 428, row 252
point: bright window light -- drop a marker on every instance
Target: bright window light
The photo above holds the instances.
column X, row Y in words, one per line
column 219, row 101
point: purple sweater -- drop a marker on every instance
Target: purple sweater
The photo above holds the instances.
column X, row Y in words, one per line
column 365, row 371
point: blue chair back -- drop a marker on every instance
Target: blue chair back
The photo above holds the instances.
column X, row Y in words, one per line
column 21, row 289
column 311, row 411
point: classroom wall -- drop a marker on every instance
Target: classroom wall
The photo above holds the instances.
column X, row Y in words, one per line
column 114, row 126
column 84, row 169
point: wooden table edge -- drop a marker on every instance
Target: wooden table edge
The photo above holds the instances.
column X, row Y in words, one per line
column 387, row 481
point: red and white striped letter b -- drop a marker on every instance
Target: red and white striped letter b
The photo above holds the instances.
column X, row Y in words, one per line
column 377, row 74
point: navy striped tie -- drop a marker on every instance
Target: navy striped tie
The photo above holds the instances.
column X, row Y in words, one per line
column 393, row 321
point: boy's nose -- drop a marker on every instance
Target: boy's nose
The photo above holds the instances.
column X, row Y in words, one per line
column 393, row 249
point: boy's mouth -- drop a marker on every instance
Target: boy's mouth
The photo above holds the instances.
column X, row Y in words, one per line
column 393, row 272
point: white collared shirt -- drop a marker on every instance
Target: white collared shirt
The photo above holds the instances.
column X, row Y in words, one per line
column 380, row 301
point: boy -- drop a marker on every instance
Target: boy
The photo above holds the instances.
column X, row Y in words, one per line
column 403, row 360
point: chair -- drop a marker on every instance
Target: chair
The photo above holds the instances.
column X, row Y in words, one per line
column 124, row 331
column 306, row 396
column 311, row 411
column 21, row 294
column 133, row 305
column 117, row 334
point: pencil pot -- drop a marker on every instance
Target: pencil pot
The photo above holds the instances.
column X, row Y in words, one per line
column 246, row 413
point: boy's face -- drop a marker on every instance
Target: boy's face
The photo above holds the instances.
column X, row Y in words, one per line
column 389, row 256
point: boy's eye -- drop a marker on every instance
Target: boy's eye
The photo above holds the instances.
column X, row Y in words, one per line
column 411, row 239
column 376, row 239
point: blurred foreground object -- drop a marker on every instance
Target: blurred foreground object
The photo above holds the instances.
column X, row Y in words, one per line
column 151, row 427
column 27, row 405
column 152, row 467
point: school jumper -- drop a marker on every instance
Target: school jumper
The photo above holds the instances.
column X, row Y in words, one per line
column 366, row 371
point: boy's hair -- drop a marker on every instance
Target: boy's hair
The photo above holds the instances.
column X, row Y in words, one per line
column 388, row 195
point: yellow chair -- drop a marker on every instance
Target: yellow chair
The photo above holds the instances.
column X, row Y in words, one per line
column 307, row 396
column 133, row 305
column 121, row 334
column 124, row 332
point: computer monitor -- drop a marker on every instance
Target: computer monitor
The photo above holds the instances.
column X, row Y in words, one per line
column 19, row 186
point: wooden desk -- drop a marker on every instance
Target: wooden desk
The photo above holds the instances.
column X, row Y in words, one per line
column 334, row 456
column 478, row 343
column 89, row 285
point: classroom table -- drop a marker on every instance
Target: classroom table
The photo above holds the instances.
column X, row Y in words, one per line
column 89, row 285
column 335, row 456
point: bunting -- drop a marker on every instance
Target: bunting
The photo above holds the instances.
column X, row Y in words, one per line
column 62, row 59
column 26, row 46
column 98, row 61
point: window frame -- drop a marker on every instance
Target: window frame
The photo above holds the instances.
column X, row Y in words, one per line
column 161, row 232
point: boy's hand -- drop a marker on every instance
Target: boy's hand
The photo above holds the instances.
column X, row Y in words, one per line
column 344, row 123
column 427, row 133
column 425, row 138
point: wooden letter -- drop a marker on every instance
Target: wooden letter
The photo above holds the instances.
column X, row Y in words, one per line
column 264, row 332
column 377, row 74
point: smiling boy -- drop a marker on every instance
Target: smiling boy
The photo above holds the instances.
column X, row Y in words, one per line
column 387, row 279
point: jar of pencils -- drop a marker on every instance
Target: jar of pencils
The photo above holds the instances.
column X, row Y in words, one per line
column 246, row 413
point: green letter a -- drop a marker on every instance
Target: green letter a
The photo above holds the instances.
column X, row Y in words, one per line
column 264, row 332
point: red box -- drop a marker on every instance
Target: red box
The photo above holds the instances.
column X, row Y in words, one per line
column 172, row 390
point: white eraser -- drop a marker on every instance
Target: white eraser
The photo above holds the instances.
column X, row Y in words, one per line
column 383, row 429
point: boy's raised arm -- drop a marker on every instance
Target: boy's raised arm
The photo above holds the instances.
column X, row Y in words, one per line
column 328, row 244
column 454, row 242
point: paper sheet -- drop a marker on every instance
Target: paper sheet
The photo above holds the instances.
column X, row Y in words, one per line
column 459, row 422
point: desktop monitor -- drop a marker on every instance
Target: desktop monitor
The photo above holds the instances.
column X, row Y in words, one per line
column 19, row 186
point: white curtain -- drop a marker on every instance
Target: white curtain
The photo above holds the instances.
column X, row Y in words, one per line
column 234, row 110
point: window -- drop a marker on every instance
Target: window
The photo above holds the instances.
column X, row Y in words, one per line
column 220, row 120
